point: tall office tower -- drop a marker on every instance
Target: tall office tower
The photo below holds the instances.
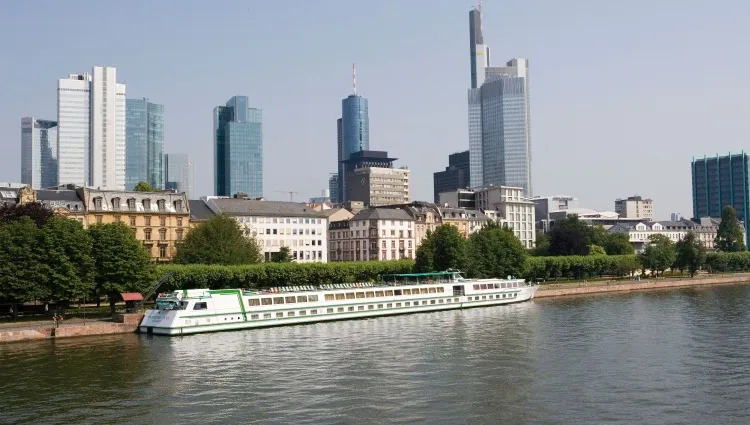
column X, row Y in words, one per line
column 499, row 117
column 91, row 129
column 179, row 173
column 455, row 176
column 720, row 181
column 238, row 149
column 38, row 153
column 353, row 132
column 145, row 143
column 333, row 188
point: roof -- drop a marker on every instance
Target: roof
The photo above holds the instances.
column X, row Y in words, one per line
column 199, row 210
column 382, row 214
column 241, row 207
column 57, row 195
column 131, row 296
column 331, row 211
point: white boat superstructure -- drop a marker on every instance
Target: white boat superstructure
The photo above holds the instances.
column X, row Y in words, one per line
column 203, row 310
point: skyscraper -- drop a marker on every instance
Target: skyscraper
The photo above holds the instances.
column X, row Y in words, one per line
column 91, row 129
column 455, row 176
column 333, row 188
column 145, row 143
column 179, row 173
column 499, row 117
column 38, row 153
column 353, row 130
column 238, row 149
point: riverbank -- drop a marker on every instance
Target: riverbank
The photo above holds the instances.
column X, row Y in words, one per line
column 121, row 324
column 565, row 289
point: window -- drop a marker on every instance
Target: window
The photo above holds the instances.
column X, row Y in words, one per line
column 433, row 290
column 162, row 251
column 340, row 296
column 98, row 203
column 350, row 295
column 407, row 291
column 98, row 219
column 290, row 314
column 423, row 291
column 146, row 204
column 116, row 204
column 350, row 308
column 179, row 234
column 388, row 293
column 313, row 311
column 361, row 307
column 178, row 205
column 380, row 305
column 147, row 234
column 132, row 220
column 312, row 298
column 267, row 315
column 398, row 304
column 253, row 302
column 179, row 223
column 303, row 312
column 201, row 306
column 147, row 220
column 370, row 307
column 162, row 234
column 340, row 310
column 278, row 300
column 280, row 314
column 162, row 221
column 161, row 204
column 131, row 204
column 266, row 301
column 254, row 317
column 370, row 294
column 329, row 297
column 290, row 300
column 378, row 293
column 117, row 219
column 302, row 299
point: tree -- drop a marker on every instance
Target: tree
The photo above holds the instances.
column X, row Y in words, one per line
column 448, row 249
column 425, row 255
column 34, row 210
column 596, row 250
column 659, row 255
column 690, row 253
column 218, row 240
column 495, row 251
column 729, row 235
column 121, row 262
column 618, row 244
column 144, row 187
column 541, row 246
column 597, row 235
column 22, row 262
column 569, row 237
column 68, row 255
column 284, row 255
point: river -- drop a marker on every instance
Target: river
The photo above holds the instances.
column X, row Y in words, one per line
column 663, row 357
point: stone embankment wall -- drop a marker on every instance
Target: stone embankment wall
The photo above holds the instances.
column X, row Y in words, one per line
column 128, row 323
column 642, row 285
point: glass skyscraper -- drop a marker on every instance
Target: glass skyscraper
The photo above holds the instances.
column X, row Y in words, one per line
column 238, row 149
column 720, row 181
column 353, row 130
column 38, row 153
column 179, row 173
column 144, row 149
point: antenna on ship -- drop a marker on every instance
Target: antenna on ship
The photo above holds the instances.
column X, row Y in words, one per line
column 354, row 78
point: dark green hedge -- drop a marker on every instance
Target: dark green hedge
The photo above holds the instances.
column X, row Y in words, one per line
column 719, row 262
column 264, row 275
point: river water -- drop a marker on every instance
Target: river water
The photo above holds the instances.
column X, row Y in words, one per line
column 666, row 357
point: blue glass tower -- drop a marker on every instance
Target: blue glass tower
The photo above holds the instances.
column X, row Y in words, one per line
column 144, row 146
column 353, row 135
column 238, row 149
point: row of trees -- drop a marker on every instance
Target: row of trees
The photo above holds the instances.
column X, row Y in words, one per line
column 52, row 258
column 572, row 236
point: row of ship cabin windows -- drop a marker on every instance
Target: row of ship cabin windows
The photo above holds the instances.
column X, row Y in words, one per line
column 344, row 296
column 502, row 285
column 350, row 309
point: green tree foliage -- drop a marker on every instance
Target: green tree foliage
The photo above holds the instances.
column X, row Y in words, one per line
column 541, row 245
column 494, row 251
column 596, row 250
column 618, row 244
column 284, row 255
column 659, row 254
column 579, row 266
column 144, row 187
column 218, row 240
column 729, row 235
column 690, row 254
column 68, row 256
column 425, row 255
column 37, row 212
column 22, row 262
column 569, row 237
column 597, row 235
column 449, row 248
column 122, row 263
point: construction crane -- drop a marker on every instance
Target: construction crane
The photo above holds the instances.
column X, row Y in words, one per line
column 290, row 192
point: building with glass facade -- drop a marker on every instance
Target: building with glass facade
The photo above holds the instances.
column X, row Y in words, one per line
column 238, row 149
column 353, row 135
column 455, row 176
column 720, row 181
column 333, row 187
column 178, row 173
column 144, row 150
column 38, row 153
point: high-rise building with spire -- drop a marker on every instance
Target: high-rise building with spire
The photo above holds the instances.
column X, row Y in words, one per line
column 499, row 116
column 353, row 132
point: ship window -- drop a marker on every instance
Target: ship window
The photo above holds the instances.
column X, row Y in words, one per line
column 378, row 293
column 200, row 306
column 397, row 292
column 329, row 297
column 254, row 317
column 398, row 304
column 290, row 313
column 388, row 293
column 312, row 298
column 432, row 301
column 370, row 294
column 267, row 315
column 302, row 299
column 448, row 300
column 497, row 285
column 483, row 286
column 476, row 298
column 253, row 301
column 441, row 289
column 441, row 301
column 407, row 291
column 303, row 312
column 280, row 314
column 389, row 305
column 290, row 300
column 455, row 300
column 340, row 310
column 350, row 308
column 360, row 294
column 423, row 291
column 350, row 295
column 266, row 301
column 484, row 297
column 380, row 305
column 330, row 310
column 476, row 287
column 424, row 302
column 340, row 297
column 407, row 304
column 504, row 285
column 433, row 290
column 278, row 300
column 313, row 311
column 370, row 307
column 360, row 307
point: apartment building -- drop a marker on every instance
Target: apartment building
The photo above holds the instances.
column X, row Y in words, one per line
column 373, row 234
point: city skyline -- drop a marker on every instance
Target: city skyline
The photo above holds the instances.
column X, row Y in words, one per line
column 238, row 149
column 586, row 85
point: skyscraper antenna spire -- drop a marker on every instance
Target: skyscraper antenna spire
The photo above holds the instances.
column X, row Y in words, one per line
column 354, row 78
column 480, row 16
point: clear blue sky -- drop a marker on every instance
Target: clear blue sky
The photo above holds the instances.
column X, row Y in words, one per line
column 623, row 93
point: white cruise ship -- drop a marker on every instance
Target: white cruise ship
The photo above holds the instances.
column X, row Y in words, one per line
column 203, row 310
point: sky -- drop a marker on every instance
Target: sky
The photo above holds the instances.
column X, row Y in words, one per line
column 623, row 94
